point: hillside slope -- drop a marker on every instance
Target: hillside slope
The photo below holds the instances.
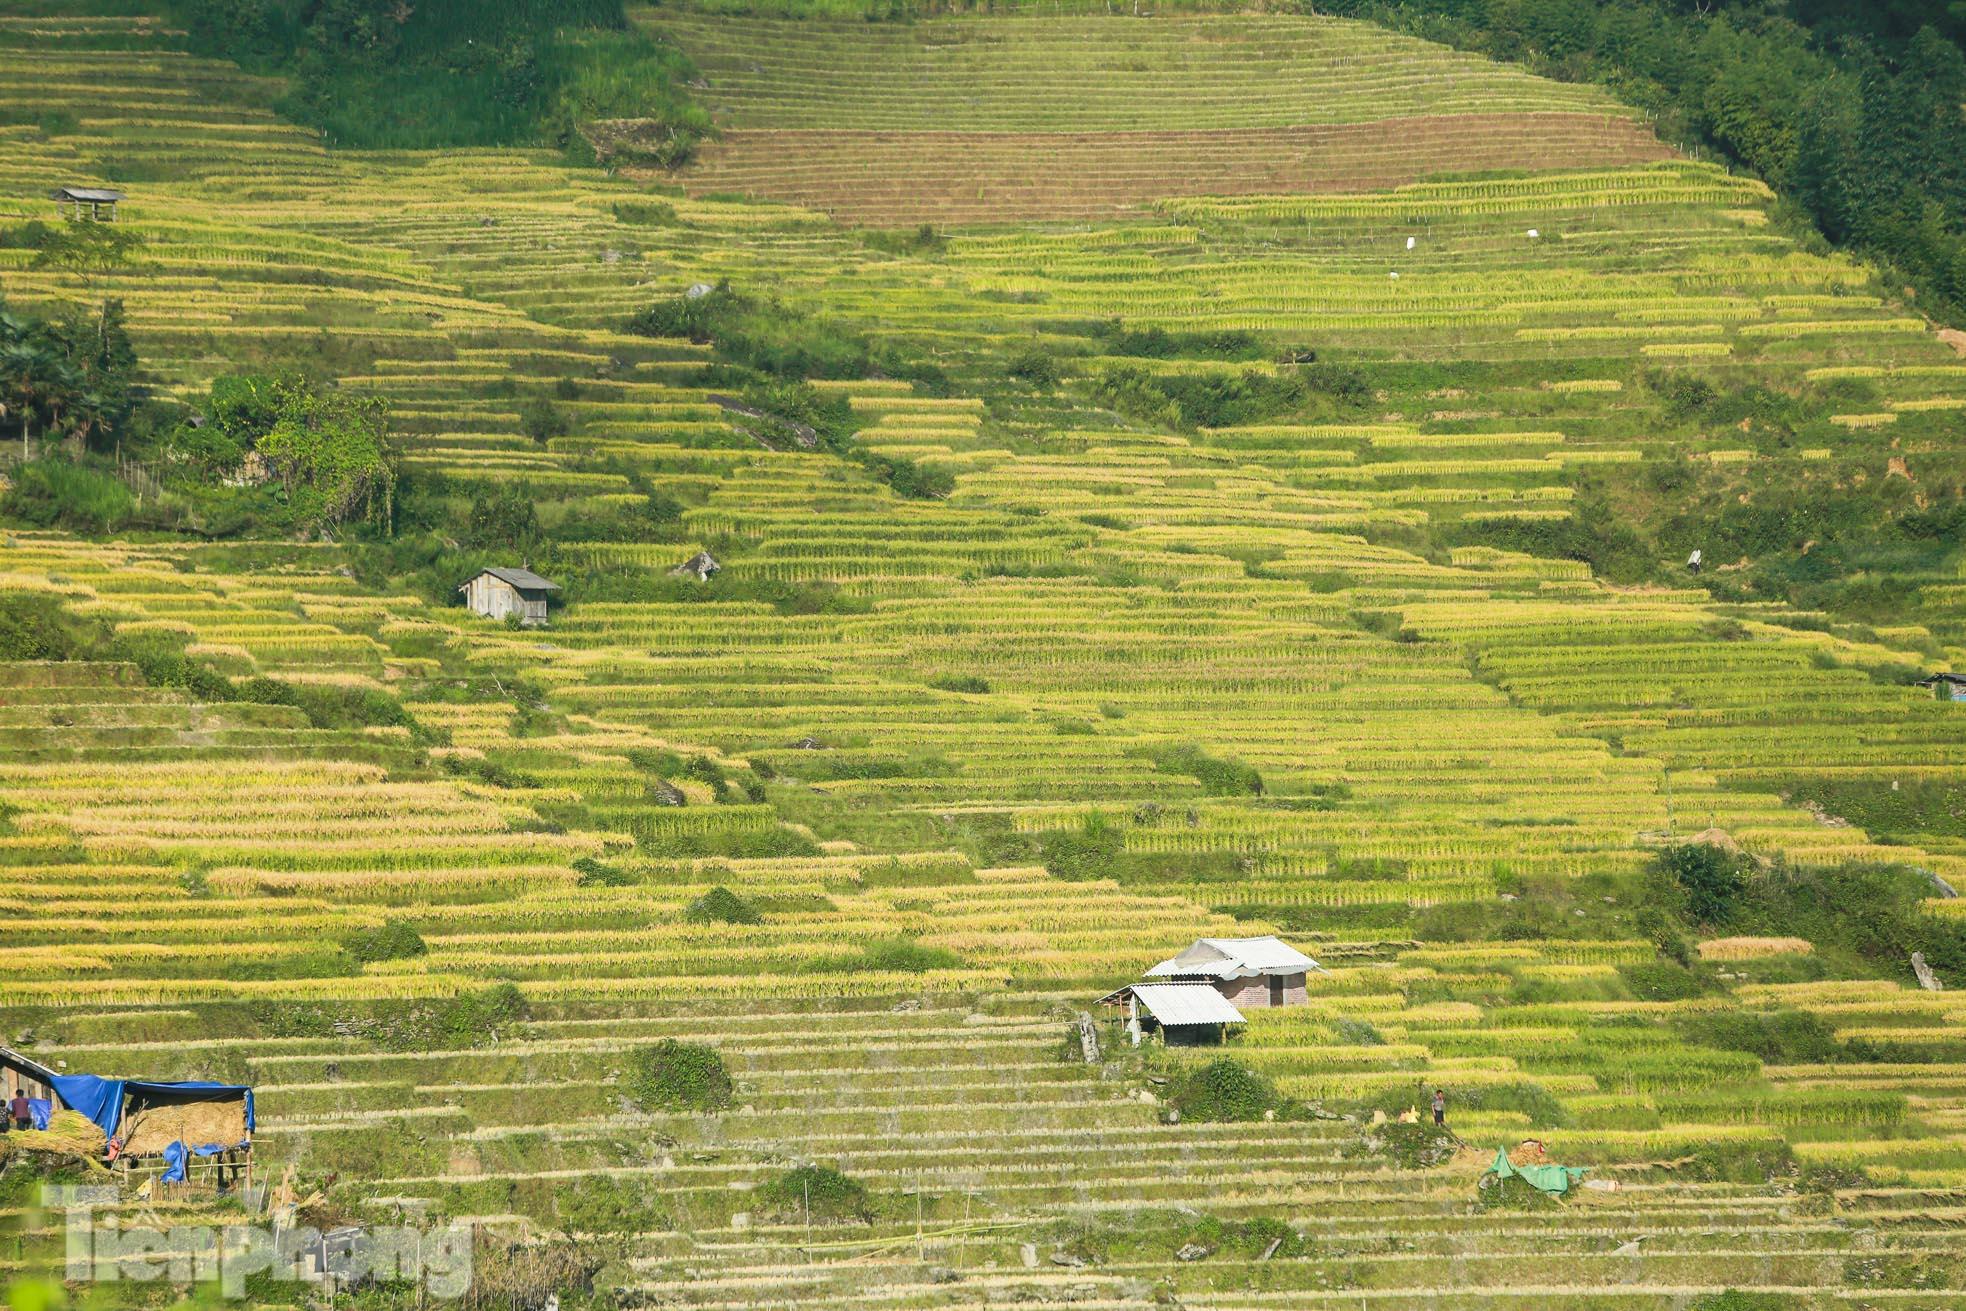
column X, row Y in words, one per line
column 998, row 119
column 1204, row 637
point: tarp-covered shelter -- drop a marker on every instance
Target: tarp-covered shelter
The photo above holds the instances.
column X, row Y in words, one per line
column 1256, row 972
column 149, row 1117
column 1556, row 1180
column 1185, row 1014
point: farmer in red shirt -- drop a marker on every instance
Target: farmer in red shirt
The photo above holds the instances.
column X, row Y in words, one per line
column 17, row 1109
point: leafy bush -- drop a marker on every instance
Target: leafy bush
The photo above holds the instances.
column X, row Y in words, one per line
column 924, row 240
column 722, row 906
column 1359, row 1033
column 1219, row 776
column 598, row 874
column 645, row 213
column 1862, row 919
column 901, row 955
column 329, row 705
column 760, row 334
column 1711, row 876
column 678, row 1076
column 1665, row 980
column 35, row 626
column 816, row 1190
column 1036, row 366
column 1419, row 1145
column 394, row 940
column 1159, row 344
column 327, row 451
column 1199, row 400
column 1088, row 853
column 1139, row 1235
column 1225, row 1090
column 542, row 420
column 605, row 1204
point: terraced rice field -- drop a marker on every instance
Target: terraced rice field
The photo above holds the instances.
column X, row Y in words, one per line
column 1433, row 727
column 992, row 119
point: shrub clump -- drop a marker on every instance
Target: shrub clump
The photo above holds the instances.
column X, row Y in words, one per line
column 1712, row 878
column 1088, row 853
column 817, row 1190
column 898, row 955
column 394, row 940
column 1218, row 776
column 679, row 1076
column 599, row 874
column 722, row 906
column 35, row 626
column 1418, row 1146
column 1227, row 1090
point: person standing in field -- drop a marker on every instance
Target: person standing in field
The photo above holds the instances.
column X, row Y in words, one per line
column 18, row 1111
column 1440, row 1108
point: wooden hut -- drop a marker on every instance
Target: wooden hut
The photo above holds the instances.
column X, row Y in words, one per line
column 496, row 593
column 1252, row 972
column 26, row 1074
column 1946, row 687
column 99, row 202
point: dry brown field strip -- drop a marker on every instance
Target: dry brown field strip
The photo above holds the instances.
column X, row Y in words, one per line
column 875, row 175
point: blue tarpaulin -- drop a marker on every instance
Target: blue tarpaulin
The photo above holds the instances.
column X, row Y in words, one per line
column 102, row 1099
column 176, row 1158
column 39, row 1109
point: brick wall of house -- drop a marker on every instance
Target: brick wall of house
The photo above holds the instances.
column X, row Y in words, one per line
column 1254, row 993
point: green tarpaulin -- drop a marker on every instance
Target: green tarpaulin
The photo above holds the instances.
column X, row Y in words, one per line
column 1556, row 1180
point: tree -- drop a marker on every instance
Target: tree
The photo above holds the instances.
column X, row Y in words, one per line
column 329, row 450
column 72, row 376
column 87, row 248
column 331, row 456
column 23, row 367
column 502, row 520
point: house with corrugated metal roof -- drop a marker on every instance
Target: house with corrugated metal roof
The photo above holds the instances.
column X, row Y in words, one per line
column 496, row 593
column 1184, row 1014
column 101, row 202
column 1248, row 972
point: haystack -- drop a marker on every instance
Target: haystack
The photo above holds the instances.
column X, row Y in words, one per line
column 151, row 1126
column 1717, row 837
column 69, row 1133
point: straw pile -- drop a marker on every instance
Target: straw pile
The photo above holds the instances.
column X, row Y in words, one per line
column 1753, row 948
column 69, row 1133
column 149, row 1128
column 1529, row 1152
